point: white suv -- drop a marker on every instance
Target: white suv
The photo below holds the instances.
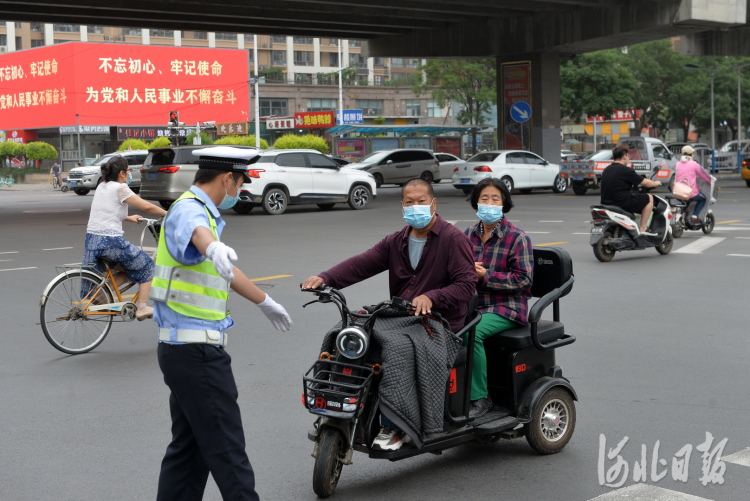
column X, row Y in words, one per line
column 289, row 177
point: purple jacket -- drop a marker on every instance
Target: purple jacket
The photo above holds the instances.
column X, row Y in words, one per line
column 445, row 273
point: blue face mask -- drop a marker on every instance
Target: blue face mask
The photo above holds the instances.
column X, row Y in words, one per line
column 228, row 201
column 129, row 179
column 490, row 213
column 418, row 216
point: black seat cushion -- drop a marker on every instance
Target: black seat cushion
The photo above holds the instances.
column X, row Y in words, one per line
column 520, row 338
column 619, row 210
column 460, row 357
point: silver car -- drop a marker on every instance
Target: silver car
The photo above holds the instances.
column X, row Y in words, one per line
column 399, row 166
column 84, row 179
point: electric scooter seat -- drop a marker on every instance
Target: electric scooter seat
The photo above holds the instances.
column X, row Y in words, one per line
column 619, row 210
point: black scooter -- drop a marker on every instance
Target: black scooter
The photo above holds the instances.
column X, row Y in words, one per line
column 531, row 396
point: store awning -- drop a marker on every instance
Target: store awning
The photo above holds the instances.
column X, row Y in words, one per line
column 433, row 130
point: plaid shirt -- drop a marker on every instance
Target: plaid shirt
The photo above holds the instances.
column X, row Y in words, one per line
column 507, row 255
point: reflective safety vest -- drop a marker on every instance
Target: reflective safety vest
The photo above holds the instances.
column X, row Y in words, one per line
column 195, row 291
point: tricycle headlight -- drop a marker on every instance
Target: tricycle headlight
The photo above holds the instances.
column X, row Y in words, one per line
column 352, row 342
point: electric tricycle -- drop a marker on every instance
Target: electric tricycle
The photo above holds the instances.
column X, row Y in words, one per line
column 532, row 398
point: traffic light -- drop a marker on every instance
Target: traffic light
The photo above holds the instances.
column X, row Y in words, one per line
column 174, row 119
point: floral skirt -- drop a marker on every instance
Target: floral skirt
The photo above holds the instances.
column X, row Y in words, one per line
column 137, row 265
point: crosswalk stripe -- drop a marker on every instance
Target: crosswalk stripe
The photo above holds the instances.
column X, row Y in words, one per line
column 646, row 492
column 699, row 245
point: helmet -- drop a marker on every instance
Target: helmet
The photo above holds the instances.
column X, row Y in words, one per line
column 687, row 150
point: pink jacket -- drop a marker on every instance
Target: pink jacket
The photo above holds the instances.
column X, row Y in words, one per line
column 689, row 171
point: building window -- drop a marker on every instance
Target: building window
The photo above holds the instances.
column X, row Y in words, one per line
column 413, row 63
column 67, row 28
column 37, row 43
column 248, row 38
column 3, row 39
column 161, row 33
column 278, row 57
column 433, row 110
column 333, row 41
column 303, row 40
column 56, row 41
column 333, row 59
column 278, row 39
column 377, row 63
column 19, row 43
column 200, row 35
column 397, row 62
column 226, row 36
column 18, row 25
column 370, row 106
column 303, row 78
column 95, row 30
column 303, row 58
column 357, row 61
column 413, row 107
column 132, row 32
column 321, row 104
column 355, row 43
column 378, row 79
column 37, row 27
column 276, row 107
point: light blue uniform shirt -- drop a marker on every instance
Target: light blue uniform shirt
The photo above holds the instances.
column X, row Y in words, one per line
column 183, row 219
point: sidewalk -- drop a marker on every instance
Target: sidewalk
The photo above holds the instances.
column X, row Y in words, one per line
column 31, row 187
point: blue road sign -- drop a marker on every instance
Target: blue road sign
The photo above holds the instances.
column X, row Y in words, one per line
column 520, row 111
column 351, row 117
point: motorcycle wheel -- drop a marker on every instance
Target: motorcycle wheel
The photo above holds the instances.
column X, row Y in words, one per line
column 328, row 464
column 666, row 246
column 602, row 252
column 678, row 230
column 708, row 224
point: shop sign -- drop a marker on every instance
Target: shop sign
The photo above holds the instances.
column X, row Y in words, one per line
column 234, row 128
column 351, row 117
column 450, row 145
column 617, row 116
column 142, row 132
column 42, row 87
column 85, row 129
column 280, row 123
column 314, row 119
column 21, row 136
column 352, row 148
column 417, row 142
column 516, row 88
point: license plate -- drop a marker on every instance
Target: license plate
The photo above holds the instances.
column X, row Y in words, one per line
column 73, row 183
column 576, row 178
column 465, row 181
column 152, row 175
column 597, row 229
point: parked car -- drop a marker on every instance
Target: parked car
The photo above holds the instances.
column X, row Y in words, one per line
column 279, row 178
column 399, row 166
column 522, row 170
column 447, row 163
column 726, row 156
column 676, row 147
column 84, row 179
column 567, row 155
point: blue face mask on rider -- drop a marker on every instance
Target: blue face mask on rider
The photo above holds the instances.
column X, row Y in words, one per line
column 418, row 216
column 130, row 178
column 228, row 201
column 489, row 213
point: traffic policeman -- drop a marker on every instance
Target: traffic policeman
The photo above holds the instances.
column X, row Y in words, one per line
column 193, row 274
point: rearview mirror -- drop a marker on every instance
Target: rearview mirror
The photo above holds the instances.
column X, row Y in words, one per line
column 389, row 162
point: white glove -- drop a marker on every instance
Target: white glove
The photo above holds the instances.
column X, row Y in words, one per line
column 276, row 313
column 222, row 257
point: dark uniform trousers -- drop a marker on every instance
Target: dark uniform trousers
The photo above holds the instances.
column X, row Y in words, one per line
column 207, row 434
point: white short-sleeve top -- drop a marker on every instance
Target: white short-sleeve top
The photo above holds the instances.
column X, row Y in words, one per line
column 109, row 209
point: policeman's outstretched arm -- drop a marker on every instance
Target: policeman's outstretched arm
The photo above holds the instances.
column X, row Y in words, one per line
column 222, row 257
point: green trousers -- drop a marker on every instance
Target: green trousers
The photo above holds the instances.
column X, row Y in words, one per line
column 490, row 325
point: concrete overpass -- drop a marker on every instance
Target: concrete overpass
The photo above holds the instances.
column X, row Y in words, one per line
column 538, row 31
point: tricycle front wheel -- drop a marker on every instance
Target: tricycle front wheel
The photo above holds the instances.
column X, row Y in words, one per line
column 329, row 462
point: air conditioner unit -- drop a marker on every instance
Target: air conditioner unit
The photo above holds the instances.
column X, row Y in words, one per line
column 3, row 48
column 385, row 66
column 266, row 45
column 119, row 39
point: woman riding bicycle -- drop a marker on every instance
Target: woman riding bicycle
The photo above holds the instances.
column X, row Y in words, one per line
column 104, row 234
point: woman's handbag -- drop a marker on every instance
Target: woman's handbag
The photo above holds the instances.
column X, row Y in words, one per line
column 682, row 190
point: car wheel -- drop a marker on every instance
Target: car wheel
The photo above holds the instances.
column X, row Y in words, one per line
column 579, row 189
column 467, row 191
column 359, row 197
column 243, row 208
column 378, row 180
column 274, row 202
column 165, row 204
column 82, row 191
column 561, row 184
column 508, row 183
column 326, row 206
column 427, row 176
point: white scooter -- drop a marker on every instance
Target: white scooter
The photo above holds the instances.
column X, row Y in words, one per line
column 615, row 229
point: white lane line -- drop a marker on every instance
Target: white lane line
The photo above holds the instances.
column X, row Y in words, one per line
column 57, row 248
column 9, row 252
column 743, row 238
column 14, row 269
column 451, row 222
column 149, row 249
column 643, row 492
column 4, row 260
column 739, row 255
column 587, row 233
column 730, row 228
column 741, row 458
column 700, row 245
column 50, row 211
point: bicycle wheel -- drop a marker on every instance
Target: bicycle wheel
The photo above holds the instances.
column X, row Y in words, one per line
column 63, row 323
column 55, row 183
column 10, row 182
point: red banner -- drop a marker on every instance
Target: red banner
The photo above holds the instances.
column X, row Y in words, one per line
column 516, row 82
column 315, row 119
column 108, row 84
column 20, row 136
column 450, row 145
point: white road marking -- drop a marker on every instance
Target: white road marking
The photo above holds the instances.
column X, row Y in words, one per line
column 646, row 492
column 729, row 228
column 739, row 255
column 149, row 249
column 700, row 245
column 451, row 222
column 58, row 248
column 587, row 233
column 14, row 269
column 743, row 238
column 9, row 252
column 741, row 458
column 46, row 211
column 4, row 260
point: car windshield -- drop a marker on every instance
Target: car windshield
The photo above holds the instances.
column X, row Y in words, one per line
column 601, row 155
column 374, row 157
column 729, row 147
column 102, row 160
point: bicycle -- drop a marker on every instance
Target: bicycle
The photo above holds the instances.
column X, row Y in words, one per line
column 55, row 182
column 9, row 181
column 78, row 306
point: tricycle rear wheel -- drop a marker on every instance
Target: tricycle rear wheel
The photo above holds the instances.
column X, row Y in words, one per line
column 329, row 462
column 553, row 422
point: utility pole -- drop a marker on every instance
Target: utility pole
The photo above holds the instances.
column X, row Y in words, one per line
column 257, row 97
column 78, row 131
column 341, row 89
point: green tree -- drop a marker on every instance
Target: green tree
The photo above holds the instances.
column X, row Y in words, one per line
column 11, row 149
column 39, row 150
column 686, row 96
column 160, row 142
column 205, row 138
column 293, row 141
column 135, row 144
column 242, row 141
column 472, row 83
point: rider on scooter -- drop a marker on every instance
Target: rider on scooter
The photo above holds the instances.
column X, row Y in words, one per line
column 617, row 182
column 688, row 170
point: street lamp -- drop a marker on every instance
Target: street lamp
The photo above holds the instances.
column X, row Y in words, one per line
column 712, row 71
column 739, row 115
